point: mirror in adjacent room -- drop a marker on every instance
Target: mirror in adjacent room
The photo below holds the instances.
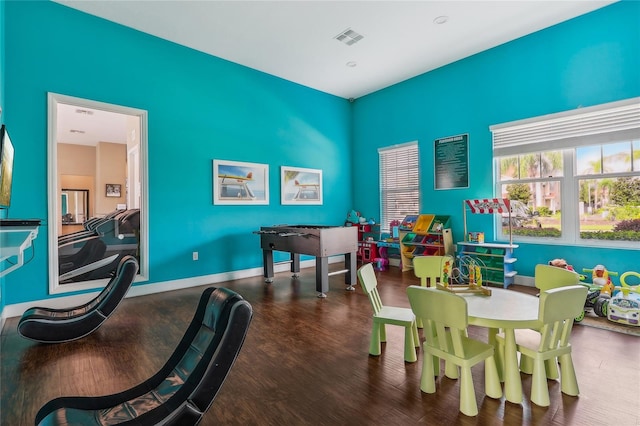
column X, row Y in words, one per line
column 97, row 191
column 74, row 208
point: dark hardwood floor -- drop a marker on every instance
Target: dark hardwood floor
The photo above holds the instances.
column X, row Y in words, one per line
column 305, row 362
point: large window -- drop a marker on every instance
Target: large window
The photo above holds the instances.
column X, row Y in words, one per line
column 533, row 182
column 572, row 178
column 609, row 190
column 399, row 183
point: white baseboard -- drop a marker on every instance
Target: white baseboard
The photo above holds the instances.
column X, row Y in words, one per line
column 524, row 280
column 17, row 309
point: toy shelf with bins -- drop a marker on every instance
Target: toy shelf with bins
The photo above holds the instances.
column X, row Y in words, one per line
column 424, row 235
column 495, row 260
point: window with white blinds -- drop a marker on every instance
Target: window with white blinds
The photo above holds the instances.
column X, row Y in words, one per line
column 576, row 174
column 599, row 124
column 399, row 183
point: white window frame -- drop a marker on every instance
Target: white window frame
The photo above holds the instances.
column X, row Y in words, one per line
column 399, row 169
column 597, row 125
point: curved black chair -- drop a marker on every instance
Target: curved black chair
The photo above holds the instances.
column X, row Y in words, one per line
column 48, row 325
column 184, row 389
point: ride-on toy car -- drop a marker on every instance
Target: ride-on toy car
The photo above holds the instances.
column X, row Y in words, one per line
column 624, row 306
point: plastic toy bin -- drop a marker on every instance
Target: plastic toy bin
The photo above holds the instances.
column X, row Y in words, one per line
column 408, row 251
column 440, row 222
column 430, row 251
column 424, row 223
column 419, row 251
column 496, row 262
column 418, row 239
column 482, row 250
column 409, row 237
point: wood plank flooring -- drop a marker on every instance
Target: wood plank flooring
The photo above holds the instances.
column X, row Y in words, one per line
column 305, row 362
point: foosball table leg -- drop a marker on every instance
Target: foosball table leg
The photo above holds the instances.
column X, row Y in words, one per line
column 295, row 265
column 267, row 265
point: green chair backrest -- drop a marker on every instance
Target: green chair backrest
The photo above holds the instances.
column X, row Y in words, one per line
column 432, row 269
column 444, row 315
column 369, row 283
column 439, row 306
column 547, row 277
column 562, row 303
column 556, row 312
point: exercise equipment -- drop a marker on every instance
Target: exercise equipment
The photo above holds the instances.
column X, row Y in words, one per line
column 80, row 255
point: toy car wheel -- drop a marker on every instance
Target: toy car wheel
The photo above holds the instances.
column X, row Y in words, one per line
column 592, row 297
column 580, row 317
column 601, row 307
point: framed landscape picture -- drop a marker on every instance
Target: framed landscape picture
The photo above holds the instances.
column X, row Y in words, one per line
column 300, row 186
column 240, row 183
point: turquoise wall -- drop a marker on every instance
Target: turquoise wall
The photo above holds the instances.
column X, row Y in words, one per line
column 200, row 108
column 589, row 60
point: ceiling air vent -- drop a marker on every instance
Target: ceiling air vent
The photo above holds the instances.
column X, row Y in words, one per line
column 349, row 37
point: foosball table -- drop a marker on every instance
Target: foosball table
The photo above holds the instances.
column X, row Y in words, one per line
column 319, row 241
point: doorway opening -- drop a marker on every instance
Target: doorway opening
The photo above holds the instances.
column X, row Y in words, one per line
column 98, row 150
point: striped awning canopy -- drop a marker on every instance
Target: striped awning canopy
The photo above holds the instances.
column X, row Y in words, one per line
column 489, row 205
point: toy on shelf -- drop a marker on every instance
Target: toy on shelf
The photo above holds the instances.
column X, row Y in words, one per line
column 409, row 222
column 354, row 217
column 624, row 306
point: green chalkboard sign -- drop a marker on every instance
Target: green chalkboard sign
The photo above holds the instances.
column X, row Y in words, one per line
column 451, row 162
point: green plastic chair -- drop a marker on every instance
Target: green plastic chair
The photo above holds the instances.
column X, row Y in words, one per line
column 547, row 277
column 432, row 270
column 445, row 318
column 541, row 349
column 383, row 315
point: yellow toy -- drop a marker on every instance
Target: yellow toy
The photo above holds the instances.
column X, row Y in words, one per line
column 601, row 290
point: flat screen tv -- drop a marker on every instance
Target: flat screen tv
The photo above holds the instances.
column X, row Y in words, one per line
column 6, row 168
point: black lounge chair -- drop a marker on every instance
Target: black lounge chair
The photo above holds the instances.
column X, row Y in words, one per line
column 184, row 389
column 48, row 325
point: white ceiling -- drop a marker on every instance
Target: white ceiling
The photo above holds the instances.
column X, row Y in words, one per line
column 295, row 40
column 87, row 126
